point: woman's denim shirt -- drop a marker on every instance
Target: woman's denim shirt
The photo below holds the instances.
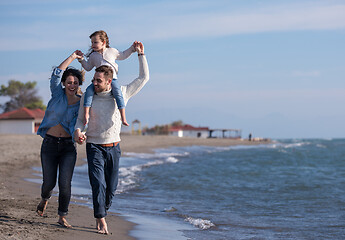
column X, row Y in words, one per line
column 58, row 111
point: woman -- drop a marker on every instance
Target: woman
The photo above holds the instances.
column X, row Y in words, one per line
column 58, row 150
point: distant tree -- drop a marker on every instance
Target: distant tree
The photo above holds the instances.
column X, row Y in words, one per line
column 178, row 123
column 21, row 95
column 163, row 129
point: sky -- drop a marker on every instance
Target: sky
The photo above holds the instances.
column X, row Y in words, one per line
column 272, row 68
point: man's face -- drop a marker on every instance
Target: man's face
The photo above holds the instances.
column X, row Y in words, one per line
column 100, row 82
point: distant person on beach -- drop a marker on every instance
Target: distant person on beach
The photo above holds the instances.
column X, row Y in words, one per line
column 102, row 54
column 58, row 151
column 103, row 135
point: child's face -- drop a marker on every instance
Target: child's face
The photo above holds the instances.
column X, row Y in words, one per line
column 97, row 44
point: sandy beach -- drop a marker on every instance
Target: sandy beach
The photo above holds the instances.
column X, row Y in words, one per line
column 19, row 198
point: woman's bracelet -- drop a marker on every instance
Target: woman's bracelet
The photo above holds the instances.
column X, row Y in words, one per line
column 141, row 54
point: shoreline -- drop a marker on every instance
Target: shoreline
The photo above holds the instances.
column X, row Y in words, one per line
column 19, row 197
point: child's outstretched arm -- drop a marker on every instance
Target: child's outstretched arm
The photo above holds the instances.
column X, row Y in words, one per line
column 86, row 64
column 127, row 53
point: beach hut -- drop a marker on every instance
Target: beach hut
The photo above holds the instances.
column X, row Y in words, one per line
column 21, row 121
column 189, row 131
column 138, row 130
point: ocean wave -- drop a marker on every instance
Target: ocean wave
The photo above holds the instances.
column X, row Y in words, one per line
column 200, row 223
column 159, row 153
column 172, row 160
column 320, row 146
column 128, row 176
column 288, row 145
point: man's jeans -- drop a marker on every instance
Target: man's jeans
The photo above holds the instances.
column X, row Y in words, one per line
column 58, row 153
column 103, row 165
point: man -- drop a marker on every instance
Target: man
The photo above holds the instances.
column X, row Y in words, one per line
column 103, row 135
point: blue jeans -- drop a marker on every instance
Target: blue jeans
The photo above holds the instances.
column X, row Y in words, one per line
column 58, row 154
column 103, row 165
column 115, row 90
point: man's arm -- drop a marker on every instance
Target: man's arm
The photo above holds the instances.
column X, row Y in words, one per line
column 137, row 84
column 79, row 136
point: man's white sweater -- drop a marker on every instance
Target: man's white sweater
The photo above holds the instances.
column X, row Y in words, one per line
column 105, row 120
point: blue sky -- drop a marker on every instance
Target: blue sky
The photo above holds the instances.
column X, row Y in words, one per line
column 272, row 68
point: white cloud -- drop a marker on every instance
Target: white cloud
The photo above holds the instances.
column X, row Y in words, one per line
column 157, row 22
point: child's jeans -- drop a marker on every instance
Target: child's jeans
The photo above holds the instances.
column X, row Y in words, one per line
column 115, row 90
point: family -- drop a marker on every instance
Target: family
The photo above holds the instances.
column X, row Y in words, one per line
column 96, row 122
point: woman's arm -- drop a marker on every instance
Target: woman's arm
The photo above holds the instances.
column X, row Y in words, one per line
column 70, row 59
column 55, row 80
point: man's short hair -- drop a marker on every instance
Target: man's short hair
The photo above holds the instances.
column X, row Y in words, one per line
column 106, row 70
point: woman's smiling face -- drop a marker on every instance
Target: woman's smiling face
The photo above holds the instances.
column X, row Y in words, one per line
column 71, row 85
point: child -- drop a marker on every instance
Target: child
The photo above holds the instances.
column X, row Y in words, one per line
column 101, row 54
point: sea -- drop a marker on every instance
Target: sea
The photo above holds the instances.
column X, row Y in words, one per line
column 287, row 189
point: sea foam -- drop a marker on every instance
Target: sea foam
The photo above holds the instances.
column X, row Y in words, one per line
column 200, row 223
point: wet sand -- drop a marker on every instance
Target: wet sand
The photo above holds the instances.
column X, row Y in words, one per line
column 19, row 198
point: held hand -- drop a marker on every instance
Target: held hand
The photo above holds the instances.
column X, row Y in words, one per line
column 76, row 54
column 79, row 137
column 134, row 46
column 139, row 47
column 79, row 54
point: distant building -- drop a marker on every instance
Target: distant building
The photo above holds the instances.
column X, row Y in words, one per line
column 226, row 133
column 21, row 121
column 189, row 131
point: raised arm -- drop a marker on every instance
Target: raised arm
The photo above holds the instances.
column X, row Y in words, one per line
column 87, row 65
column 137, row 84
column 69, row 60
column 128, row 52
column 55, row 80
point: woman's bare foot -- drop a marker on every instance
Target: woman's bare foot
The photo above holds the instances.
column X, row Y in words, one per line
column 103, row 228
column 63, row 222
column 41, row 207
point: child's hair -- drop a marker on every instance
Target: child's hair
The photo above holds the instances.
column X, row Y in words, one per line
column 106, row 70
column 71, row 71
column 103, row 36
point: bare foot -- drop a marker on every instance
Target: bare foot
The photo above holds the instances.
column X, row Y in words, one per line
column 103, row 226
column 98, row 224
column 63, row 222
column 41, row 207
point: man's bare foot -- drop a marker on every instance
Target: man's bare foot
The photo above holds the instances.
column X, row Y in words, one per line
column 41, row 207
column 98, row 224
column 103, row 226
column 63, row 222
